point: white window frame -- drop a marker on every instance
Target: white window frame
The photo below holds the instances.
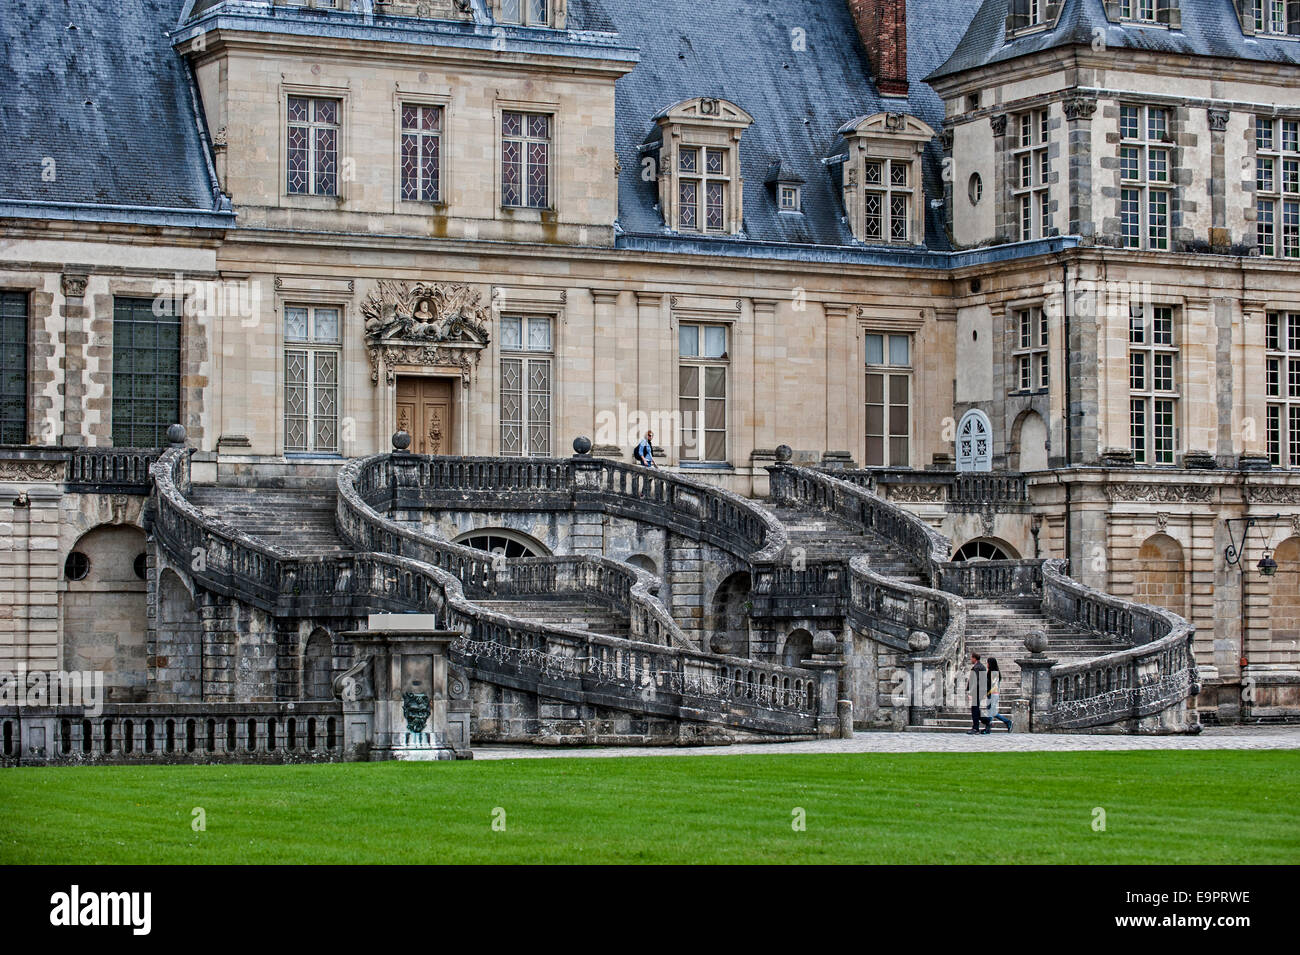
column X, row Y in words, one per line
column 526, row 139
column 1153, row 410
column 1282, row 388
column 313, row 349
column 1146, row 199
column 531, row 352
column 1277, row 186
column 523, row 13
column 789, row 197
column 887, row 368
column 705, row 360
column 892, row 182
column 700, row 177
column 1031, row 351
column 1031, row 165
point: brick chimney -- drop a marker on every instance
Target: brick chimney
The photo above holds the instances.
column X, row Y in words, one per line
column 882, row 25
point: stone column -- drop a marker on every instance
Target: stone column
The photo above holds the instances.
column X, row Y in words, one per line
column 1220, row 238
column 75, row 340
column 1078, row 135
column 1036, row 685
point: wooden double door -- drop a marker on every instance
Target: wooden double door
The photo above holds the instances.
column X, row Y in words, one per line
column 426, row 411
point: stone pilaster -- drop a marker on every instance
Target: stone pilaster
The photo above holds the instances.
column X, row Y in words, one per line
column 686, row 582
column 75, row 341
column 1220, row 238
column 1079, row 111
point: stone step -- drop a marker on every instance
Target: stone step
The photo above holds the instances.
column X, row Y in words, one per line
column 299, row 520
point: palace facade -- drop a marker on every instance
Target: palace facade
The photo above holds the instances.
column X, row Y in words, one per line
column 1025, row 268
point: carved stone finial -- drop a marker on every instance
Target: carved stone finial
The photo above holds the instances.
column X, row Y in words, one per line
column 582, row 445
column 176, row 435
column 1036, row 642
column 783, row 454
column 824, row 642
column 918, row 642
column 401, row 441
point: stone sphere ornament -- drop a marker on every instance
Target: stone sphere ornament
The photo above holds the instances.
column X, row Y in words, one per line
column 582, row 444
column 824, row 642
column 784, row 453
column 1036, row 641
column 918, row 642
column 176, row 433
column 401, row 441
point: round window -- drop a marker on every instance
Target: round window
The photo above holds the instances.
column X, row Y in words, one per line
column 975, row 188
column 77, row 566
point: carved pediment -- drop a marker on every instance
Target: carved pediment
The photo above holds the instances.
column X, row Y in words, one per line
column 896, row 125
column 439, row 324
column 705, row 110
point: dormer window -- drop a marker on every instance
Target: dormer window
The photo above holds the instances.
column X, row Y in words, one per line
column 786, row 186
column 524, row 13
column 1156, row 12
column 700, row 188
column 1269, row 17
column 883, row 197
column 1027, row 15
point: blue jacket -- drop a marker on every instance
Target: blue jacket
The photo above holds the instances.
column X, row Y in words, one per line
column 644, row 453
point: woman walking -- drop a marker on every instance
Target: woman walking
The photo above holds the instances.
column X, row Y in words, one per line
column 995, row 687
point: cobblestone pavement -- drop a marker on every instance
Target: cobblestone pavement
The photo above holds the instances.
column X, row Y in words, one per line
column 1270, row 737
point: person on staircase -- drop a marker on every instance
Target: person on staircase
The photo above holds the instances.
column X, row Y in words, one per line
column 976, row 689
column 995, row 688
column 644, row 454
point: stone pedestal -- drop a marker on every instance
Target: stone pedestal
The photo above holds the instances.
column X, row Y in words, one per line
column 1036, row 685
column 407, row 656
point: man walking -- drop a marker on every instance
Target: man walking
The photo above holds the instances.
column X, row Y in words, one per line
column 644, row 454
column 977, row 684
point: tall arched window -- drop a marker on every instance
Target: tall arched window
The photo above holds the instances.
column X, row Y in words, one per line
column 974, row 442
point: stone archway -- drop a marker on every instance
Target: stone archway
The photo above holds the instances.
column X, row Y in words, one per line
column 728, row 624
column 1159, row 577
column 642, row 562
column 1029, row 443
column 179, row 656
column 1284, row 595
column 798, row 647
column 104, row 609
column 318, row 666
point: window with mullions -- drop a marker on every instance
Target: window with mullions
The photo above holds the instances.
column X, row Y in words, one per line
column 527, row 363
column 311, row 379
column 889, row 400
column 1141, row 10
column 1144, row 162
column 526, row 160
column 1277, row 186
column 702, row 392
column 1032, row 165
column 702, row 182
column 1282, row 387
column 1153, row 384
column 1030, row 352
column 1274, row 17
column 887, row 207
column 146, row 372
column 530, row 13
column 13, row 367
column 313, row 146
column 421, row 149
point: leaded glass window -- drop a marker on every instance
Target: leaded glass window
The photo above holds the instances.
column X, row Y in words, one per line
column 13, row 367
column 312, row 361
column 313, row 139
column 702, row 183
column 527, row 365
column 146, row 371
column 887, row 200
column 525, row 160
column 421, row 150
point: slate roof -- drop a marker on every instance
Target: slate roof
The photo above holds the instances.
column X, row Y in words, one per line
column 97, row 88
column 740, row 50
column 1209, row 28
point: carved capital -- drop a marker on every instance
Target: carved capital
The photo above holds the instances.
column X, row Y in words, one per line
column 1079, row 106
column 1218, row 119
column 999, row 124
column 74, row 284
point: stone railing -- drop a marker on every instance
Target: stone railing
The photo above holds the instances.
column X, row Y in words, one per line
column 992, row 578
column 625, row 588
column 926, row 623
column 957, row 490
column 111, row 469
column 912, row 537
column 1157, row 674
column 173, row 732
column 693, row 508
column 708, row 687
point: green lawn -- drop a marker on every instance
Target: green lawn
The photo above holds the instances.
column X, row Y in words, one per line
column 1168, row 807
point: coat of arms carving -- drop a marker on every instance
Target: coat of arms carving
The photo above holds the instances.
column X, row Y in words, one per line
column 440, row 324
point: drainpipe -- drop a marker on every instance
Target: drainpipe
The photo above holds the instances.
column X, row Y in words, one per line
column 1065, row 379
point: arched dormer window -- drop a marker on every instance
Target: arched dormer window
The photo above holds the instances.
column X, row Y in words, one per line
column 700, row 187
column 883, row 193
